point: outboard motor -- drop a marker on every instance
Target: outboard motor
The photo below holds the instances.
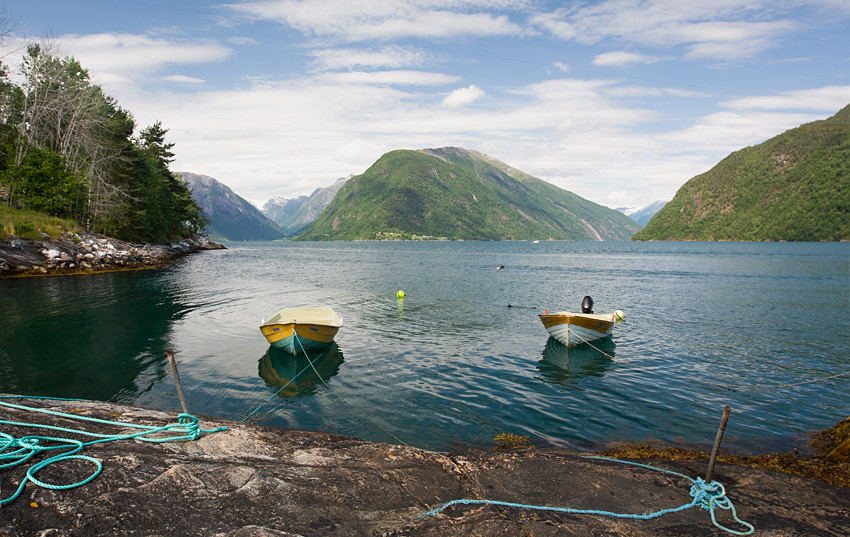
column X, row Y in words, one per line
column 587, row 305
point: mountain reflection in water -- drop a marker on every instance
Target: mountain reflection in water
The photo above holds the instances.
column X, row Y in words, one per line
column 561, row 365
column 294, row 376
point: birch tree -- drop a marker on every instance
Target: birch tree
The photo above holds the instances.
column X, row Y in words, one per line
column 62, row 111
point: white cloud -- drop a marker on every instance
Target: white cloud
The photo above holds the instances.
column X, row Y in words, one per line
column 182, row 79
column 241, row 41
column 555, row 24
column 133, row 55
column 354, row 21
column 826, row 99
column 439, row 25
column 621, row 58
column 402, row 78
column 644, row 91
column 463, row 96
column 721, row 30
column 563, row 67
column 350, row 58
column 724, row 132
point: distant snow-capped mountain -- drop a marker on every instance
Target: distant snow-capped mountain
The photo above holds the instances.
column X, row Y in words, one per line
column 642, row 215
column 297, row 214
column 230, row 216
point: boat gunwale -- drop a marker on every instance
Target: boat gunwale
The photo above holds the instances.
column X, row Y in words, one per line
column 332, row 320
column 590, row 321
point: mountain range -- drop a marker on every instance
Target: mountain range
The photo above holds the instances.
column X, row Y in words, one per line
column 643, row 215
column 297, row 214
column 229, row 216
column 455, row 193
column 792, row 187
column 795, row 186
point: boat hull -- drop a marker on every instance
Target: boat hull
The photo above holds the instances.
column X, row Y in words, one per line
column 573, row 329
column 300, row 330
column 310, row 336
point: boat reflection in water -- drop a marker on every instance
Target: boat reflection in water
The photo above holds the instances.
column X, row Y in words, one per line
column 293, row 375
column 561, row 364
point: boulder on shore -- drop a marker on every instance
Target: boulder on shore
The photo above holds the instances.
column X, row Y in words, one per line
column 80, row 253
column 252, row 480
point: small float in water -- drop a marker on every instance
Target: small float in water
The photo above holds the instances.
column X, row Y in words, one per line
column 299, row 330
column 573, row 329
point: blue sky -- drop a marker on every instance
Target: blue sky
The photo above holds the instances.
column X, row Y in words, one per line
column 618, row 101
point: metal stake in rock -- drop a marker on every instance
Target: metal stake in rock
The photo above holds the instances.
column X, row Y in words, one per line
column 176, row 375
column 726, row 410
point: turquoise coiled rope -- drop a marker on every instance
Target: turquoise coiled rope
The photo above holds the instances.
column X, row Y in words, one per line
column 17, row 451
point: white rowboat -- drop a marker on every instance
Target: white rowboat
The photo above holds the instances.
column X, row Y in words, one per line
column 573, row 329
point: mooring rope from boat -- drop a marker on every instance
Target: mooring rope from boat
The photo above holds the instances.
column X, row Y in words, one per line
column 269, row 398
column 311, row 364
column 399, row 440
column 16, row 451
column 611, row 356
column 366, row 416
column 709, row 496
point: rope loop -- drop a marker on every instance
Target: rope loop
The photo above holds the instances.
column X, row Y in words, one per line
column 190, row 423
column 16, row 451
column 60, row 458
column 709, row 496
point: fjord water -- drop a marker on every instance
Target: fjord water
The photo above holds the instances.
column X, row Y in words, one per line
column 463, row 357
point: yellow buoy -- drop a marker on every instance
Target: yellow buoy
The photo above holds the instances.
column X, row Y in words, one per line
column 400, row 294
column 619, row 316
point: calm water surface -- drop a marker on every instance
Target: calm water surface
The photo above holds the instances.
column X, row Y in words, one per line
column 452, row 364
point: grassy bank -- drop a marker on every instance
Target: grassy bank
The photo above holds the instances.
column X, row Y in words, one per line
column 31, row 224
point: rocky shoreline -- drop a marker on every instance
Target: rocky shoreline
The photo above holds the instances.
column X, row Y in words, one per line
column 75, row 253
column 256, row 481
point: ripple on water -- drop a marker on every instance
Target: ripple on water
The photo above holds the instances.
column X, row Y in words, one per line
column 452, row 364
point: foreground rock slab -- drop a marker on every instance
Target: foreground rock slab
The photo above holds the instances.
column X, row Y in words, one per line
column 260, row 481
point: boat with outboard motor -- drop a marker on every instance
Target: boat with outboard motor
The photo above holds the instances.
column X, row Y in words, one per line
column 573, row 329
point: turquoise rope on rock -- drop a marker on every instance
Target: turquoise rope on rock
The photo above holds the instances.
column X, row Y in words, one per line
column 709, row 496
column 17, row 451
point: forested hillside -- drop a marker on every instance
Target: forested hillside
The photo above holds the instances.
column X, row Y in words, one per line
column 455, row 193
column 69, row 150
column 793, row 187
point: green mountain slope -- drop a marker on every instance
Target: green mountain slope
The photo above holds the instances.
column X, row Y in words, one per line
column 794, row 187
column 455, row 193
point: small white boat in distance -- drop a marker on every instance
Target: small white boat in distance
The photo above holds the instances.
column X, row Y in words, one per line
column 315, row 329
column 573, row 329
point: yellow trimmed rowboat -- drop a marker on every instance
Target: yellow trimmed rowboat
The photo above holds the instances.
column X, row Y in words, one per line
column 315, row 329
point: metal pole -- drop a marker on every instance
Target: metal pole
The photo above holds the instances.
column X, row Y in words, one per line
column 176, row 375
column 726, row 410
